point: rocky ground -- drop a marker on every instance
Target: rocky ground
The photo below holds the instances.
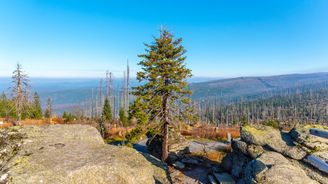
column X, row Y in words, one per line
column 263, row 155
column 77, row 154
column 267, row 155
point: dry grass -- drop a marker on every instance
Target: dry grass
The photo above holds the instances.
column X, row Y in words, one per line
column 4, row 125
column 211, row 132
column 38, row 122
column 118, row 132
column 215, row 156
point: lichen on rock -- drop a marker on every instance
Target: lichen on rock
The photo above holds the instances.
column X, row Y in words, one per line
column 68, row 154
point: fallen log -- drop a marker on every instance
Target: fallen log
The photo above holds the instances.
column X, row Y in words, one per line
column 319, row 132
column 317, row 163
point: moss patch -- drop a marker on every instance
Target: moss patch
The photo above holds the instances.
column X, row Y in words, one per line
column 253, row 130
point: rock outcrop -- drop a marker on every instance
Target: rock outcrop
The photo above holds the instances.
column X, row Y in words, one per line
column 69, row 154
column 266, row 155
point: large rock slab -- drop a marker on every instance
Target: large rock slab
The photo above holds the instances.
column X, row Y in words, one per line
column 279, row 174
column 281, row 170
column 272, row 158
column 312, row 172
column 272, row 138
column 68, row 154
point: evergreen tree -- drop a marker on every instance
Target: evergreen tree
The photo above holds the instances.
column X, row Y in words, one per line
column 3, row 105
column 68, row 117
column 107, row 112
column 123, row 117
column 65, row 115
column 164, row 74
column 137, row 111
column 102, row 127
column 36, row 110
column 48, row 111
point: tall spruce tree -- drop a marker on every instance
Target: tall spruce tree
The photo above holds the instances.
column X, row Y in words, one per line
column 123, row 118
column 36, row 107
column 48, row 111
column 164, row 73
column 107, row 112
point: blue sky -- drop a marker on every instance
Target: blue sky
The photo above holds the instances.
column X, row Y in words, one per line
column 79, row 38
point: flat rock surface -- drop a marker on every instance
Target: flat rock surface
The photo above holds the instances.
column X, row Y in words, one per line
column 274, row 139
column 281, row 170
column 74, row 154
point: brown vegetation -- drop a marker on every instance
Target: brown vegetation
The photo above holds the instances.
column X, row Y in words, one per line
column 39, row 122
column 118, row 132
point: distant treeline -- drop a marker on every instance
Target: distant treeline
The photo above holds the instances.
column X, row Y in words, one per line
column 295, row 105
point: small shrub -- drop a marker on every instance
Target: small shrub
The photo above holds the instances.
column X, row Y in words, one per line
column 134, row 135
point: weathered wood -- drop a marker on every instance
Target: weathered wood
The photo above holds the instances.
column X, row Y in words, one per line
column 229, row 137
column 197, row 147
column 317, row 163
column 319, row 132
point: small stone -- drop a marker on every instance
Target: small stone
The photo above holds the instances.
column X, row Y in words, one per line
column 3, row 178
column 239, row 146
column 179, row 165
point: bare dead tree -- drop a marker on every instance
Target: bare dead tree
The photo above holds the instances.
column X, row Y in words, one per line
column 100, row 95
column 20, row 91
column 111, row 94
column 107, row 84
column 127, row 86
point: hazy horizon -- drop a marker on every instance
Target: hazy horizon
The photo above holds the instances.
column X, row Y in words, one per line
column 103, row 76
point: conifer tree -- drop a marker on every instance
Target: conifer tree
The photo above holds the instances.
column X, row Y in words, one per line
column 3, row 105
column 107, row 112
column 48, row 111
column 137, row 111
column 164, row 74
column 36, row 112
column 123, row 117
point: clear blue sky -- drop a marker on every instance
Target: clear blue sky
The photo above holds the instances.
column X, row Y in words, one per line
column 78, row 38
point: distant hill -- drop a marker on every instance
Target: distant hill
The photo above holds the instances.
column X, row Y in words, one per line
column 68, row 93
column 251, row 87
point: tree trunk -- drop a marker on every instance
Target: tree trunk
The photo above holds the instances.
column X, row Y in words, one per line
column 165, row 131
